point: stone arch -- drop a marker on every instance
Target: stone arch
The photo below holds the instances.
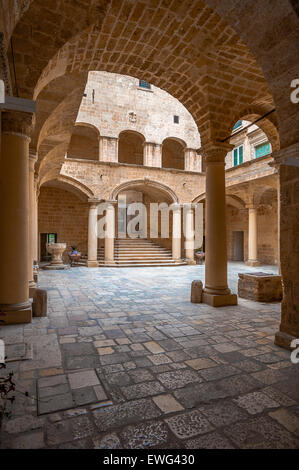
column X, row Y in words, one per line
column 72, row 185
column 144, row 183
column 231, row 200
column 173, row 153
column 268, row 124
column 130, row 147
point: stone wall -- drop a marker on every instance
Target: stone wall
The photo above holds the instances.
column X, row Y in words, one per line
column 63, row 213
column 115, row 103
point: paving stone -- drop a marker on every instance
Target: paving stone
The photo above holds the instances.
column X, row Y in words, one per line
column 117, row 416
column 55, row 403
column 198, row 394
column 144, row 436
column 239, row 384
column 179, row 378
column 114, row 359
column 119, row 379
column 160, row 359
column 154, row 347
column 167, row 403
column 226, row 347
column 189, row 424
column 287, row 419
column 22, row 424
column 201, row 363
column 260, row 433
column 256, row 402
column 82, row 362
column 104, row 343
column 105, row 351
column 219, row 372
column 78, row 349
column 30, row 440
column 142, row 390
column 212, row 440
column 100, row 393
column 110, row 441
column 223, row 413
column 141, row 375
column 83, row 378
column 81, row 427
column 83, row 396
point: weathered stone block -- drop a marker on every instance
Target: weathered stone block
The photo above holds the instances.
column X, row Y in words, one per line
column 196, row 292
column 39, row 306
column 260, row 287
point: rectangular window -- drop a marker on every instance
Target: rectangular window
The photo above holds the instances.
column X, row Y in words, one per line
column 144, row 84
column 176, row 119
column 238, row 154
column 262, row 149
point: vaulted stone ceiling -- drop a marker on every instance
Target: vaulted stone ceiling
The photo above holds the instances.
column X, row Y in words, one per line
column 205, row 53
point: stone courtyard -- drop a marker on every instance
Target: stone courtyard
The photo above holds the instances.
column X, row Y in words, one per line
column 125, row 361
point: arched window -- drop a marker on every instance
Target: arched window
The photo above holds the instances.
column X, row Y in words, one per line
column 173, row 154
column 130, row 148
column 84, row 143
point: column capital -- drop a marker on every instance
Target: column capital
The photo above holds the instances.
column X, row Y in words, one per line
column 251, row 206
column 108, row 137
column 93, row 203
column 155, row 144
column 18, row 123
column 189, row 205
column 111, row 202
column 176, row 206
column 215, row 152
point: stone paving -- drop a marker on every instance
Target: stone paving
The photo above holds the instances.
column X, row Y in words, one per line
column 124, row 360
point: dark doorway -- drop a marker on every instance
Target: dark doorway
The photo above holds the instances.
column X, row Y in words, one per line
column 238, row 246
column 44, row 239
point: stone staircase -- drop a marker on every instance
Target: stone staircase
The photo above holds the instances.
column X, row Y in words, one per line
column 139, row 253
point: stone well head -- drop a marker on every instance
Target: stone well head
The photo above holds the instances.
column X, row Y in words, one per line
column 56, row 250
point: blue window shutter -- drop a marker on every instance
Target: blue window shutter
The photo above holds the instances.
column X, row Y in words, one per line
column 240, row 154
column 235, row 157
column 262, row 150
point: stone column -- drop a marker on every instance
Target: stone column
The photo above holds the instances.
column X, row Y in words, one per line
column 32, row 222
column 189, row 233
column 110, row 232
column 35, row 221
column 152, row 154
column 176, row 232
column 15, row 306
column 252, row 236
column 192, row 160
column 108, row 149
column 286, row 161
column 93, row 234
column 216, row 292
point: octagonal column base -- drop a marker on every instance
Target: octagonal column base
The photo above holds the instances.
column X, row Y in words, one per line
column 284, row 340
column 92, row 264
column 252, row 262
column 14, row 314
column 219, row 300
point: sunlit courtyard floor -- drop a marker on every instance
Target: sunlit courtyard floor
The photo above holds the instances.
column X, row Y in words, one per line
column 124, row 360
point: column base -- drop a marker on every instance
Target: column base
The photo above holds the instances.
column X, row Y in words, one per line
column 14, row 314
column 252, row 262
column 191, row 262
column 284, row 340
column 92, row 264
column 108, row 261
column 219, row 300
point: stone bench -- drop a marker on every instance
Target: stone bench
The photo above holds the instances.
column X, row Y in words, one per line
column 260, row 287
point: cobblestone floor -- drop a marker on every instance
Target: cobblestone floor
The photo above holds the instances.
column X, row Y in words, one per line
column 124, row 360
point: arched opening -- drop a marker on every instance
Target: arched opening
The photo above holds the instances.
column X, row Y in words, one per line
column 173, row 154
column 84, row 143
column 62, row 216
column 130, row 148
column 252, row 141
